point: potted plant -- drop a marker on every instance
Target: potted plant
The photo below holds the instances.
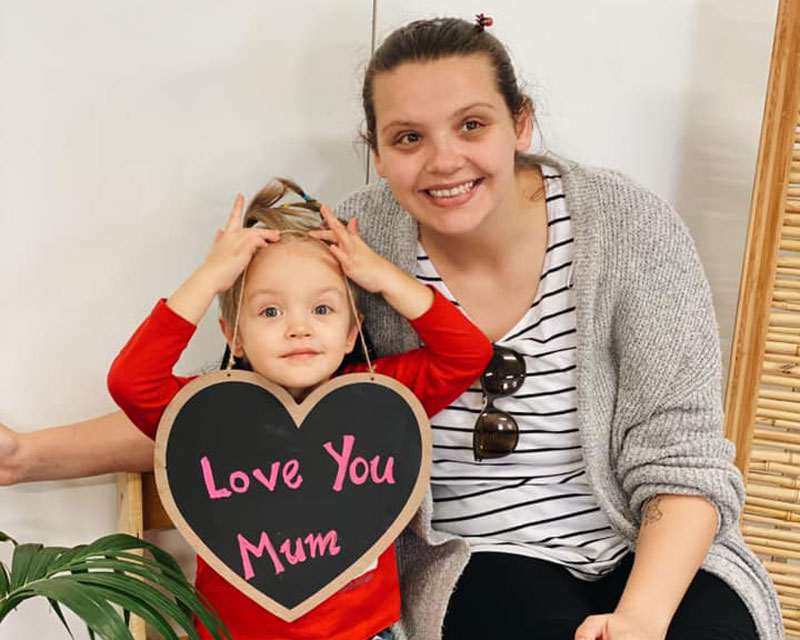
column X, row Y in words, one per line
column 91, row 579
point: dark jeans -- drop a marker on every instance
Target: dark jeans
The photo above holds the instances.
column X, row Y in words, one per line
column 501, row 596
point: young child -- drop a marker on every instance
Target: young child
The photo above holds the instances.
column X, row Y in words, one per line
column 295, row 326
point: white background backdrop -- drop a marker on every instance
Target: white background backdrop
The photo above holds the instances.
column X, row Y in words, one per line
column 126, row 130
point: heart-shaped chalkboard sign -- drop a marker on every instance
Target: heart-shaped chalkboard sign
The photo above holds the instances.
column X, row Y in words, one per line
column 289, row 502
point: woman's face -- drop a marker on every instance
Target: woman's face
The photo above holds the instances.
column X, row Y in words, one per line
column 446, row 142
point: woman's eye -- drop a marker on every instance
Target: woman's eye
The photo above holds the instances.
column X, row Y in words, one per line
column 271, row 312
column 322, row 309
column 407, row 138
column 472, row 125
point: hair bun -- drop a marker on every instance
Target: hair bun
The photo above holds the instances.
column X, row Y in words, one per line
column 482, row 21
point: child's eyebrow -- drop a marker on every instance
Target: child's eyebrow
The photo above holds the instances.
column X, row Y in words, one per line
column 263, row 292
column 326, row 290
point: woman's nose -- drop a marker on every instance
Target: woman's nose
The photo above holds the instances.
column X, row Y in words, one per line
column 444, row 155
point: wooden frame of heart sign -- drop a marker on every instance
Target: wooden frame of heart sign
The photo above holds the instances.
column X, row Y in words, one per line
column 246, row 491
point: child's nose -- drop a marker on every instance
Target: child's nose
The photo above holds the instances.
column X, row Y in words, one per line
column 298, row 328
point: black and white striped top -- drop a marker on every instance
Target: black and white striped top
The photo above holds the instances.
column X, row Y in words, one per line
column 536, row 501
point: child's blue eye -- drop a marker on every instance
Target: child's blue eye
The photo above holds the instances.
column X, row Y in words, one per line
column 322, row 309
column 271, row 312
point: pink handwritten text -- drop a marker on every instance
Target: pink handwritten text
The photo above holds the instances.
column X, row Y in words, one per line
column 313, row 545
column 239, row 481
column 358, row 470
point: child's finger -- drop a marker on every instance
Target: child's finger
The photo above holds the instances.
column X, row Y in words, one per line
column 352, row 226
column 270, row 235
column 235, row 219
column 330, row 219
column 340, row 255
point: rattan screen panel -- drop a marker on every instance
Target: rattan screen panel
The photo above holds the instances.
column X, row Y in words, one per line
column 771, row 519
column 762, row 409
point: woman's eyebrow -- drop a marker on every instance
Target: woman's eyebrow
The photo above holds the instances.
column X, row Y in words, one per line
column 398, row 123
column 474, row 105
column 456, row 113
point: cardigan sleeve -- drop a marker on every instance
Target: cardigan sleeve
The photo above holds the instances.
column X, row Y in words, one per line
column 668, row 418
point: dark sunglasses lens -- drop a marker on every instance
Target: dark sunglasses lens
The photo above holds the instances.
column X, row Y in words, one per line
column 505, row 373
column 495, row 435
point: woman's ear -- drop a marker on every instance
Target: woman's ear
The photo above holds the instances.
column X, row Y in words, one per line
column 523, row 124
column 380, row 167
column 236, row 349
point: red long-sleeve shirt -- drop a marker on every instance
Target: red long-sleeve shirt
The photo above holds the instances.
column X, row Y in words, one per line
column 142, row 384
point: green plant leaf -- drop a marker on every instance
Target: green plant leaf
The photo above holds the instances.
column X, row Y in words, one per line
column 114, row 571
column 20, row 562
column 150, row 615
column 193, row 601
column 57, row 608
column 43, row 562
column 4, row 537
column 141, row 600
column 4, row 583
column 97, row 613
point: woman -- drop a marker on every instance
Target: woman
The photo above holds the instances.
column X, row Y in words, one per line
column 604, row 432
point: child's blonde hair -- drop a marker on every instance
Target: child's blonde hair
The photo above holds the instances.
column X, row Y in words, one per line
column 298, row 218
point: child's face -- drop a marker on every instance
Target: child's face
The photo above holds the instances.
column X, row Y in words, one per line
column 296, row 323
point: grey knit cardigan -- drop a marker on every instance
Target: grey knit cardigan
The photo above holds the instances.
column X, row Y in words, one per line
column 648, row 382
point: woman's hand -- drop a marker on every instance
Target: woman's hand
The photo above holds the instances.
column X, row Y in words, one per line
column 372, row 272
column 615, row 626
column 231, row 252
column 9, row 449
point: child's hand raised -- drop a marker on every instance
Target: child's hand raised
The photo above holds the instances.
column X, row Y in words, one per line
column 372, row 272
column 233, row 248
column 359, row 263
column 228, row 257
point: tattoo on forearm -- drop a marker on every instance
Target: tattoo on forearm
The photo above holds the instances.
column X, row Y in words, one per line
column 651, row 512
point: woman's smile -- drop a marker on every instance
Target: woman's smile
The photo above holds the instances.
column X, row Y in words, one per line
column 453, row 194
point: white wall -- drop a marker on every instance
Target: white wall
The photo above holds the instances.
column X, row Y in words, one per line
column 126, row 130
column 671, row 93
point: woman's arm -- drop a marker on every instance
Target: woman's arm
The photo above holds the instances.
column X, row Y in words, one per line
column 670, row 458
column 101, row 445
column 675, row 535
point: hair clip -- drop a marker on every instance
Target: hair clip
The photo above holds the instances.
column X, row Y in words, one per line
column 482, row 21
